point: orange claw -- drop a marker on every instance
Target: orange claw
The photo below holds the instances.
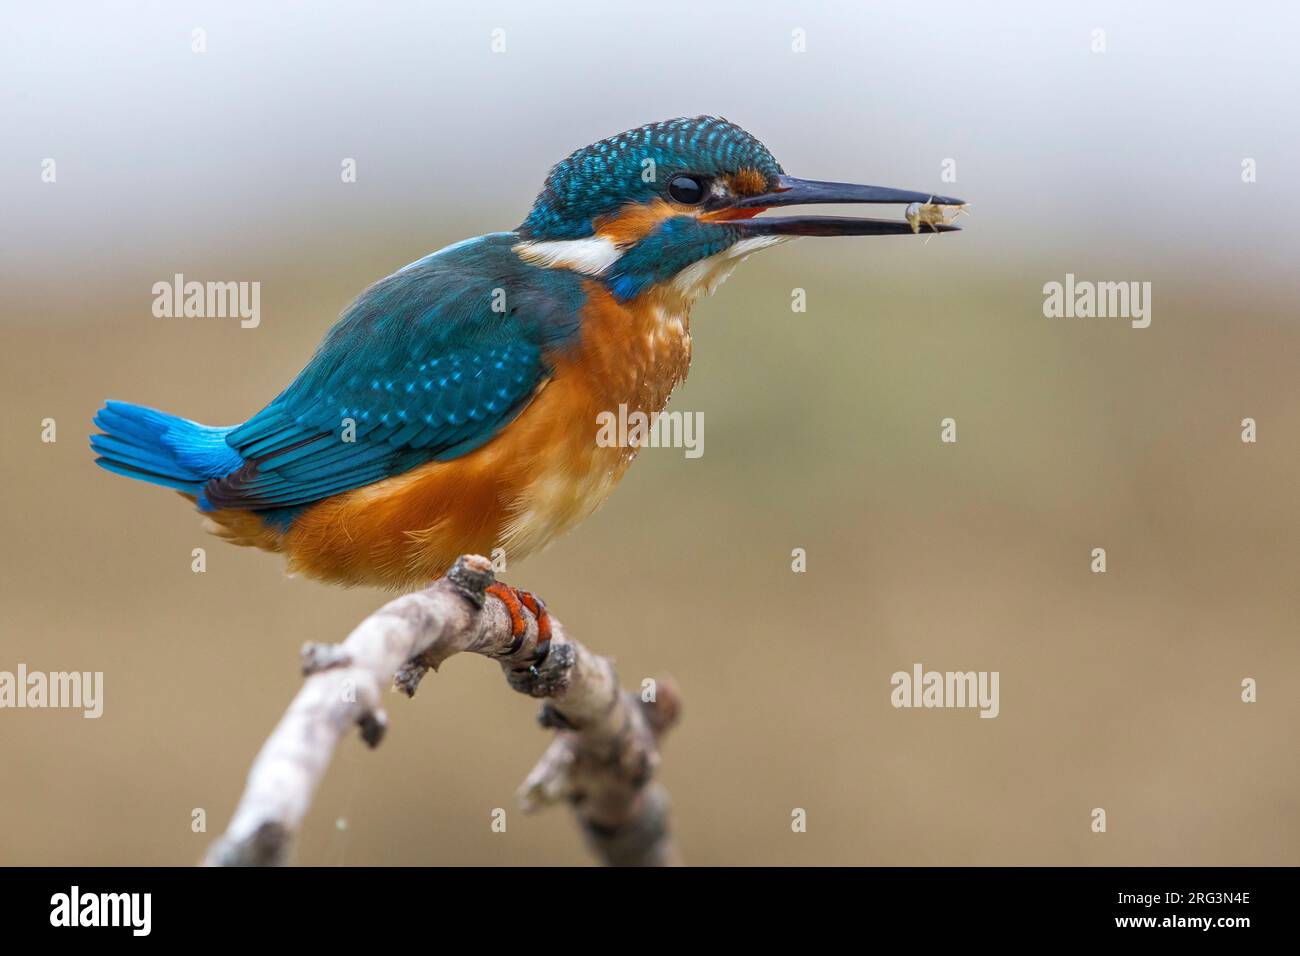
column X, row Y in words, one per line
column 518, row 626
column 534, row 604
column 515, row 601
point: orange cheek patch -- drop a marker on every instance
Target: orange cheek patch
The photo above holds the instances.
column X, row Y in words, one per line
column 633, row 223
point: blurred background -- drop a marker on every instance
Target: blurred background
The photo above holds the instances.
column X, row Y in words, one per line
column 1118, row 690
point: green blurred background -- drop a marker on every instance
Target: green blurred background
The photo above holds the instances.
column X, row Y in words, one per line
column 821, row 428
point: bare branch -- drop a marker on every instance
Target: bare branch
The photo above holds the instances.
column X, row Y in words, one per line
column 601, row 761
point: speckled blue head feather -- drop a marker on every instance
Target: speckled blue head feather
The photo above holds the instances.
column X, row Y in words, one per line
column 597, row 179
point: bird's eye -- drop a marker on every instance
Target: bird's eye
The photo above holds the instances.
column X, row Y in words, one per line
column 687, row 190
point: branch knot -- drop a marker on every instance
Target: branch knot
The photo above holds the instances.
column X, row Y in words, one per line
column 471, row 576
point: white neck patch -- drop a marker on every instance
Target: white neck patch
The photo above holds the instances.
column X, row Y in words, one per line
column 595, row 255
column 591, row 256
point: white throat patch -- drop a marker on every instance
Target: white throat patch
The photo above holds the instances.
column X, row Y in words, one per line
column 703, row 277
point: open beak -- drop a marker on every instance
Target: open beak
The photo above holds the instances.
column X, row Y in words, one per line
column 804, row 192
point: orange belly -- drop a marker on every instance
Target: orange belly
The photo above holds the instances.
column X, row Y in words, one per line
column 541, row 475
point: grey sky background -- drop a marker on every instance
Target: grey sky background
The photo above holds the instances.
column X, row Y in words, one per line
column 1119, row 158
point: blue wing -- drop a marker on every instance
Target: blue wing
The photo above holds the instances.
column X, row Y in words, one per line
column 427, row 364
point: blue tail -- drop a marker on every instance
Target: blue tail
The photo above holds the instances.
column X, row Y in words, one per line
column 163, row 449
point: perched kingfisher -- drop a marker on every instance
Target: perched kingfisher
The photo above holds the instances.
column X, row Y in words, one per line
column 453, row 407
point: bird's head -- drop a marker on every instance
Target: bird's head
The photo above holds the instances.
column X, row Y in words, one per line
column 673, row 206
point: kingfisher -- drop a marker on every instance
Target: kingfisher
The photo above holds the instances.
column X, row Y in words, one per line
column 453, row 407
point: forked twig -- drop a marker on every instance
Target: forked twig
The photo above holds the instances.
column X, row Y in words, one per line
column 601, row 762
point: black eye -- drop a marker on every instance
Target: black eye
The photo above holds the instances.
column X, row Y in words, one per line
column 687, row 190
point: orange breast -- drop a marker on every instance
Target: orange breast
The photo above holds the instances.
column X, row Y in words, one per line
column 541, row 475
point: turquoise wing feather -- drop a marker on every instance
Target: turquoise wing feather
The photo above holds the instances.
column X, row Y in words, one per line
column 427, row 364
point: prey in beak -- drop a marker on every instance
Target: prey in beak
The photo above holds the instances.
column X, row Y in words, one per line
column 922, row 209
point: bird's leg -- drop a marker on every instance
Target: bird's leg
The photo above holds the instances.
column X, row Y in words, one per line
column 515, row 600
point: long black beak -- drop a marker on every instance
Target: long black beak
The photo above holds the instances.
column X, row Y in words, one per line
column 803, row 192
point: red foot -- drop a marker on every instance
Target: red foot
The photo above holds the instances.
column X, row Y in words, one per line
column 515, row 600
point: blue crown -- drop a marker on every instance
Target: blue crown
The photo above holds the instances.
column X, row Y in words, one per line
column 600, row 178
